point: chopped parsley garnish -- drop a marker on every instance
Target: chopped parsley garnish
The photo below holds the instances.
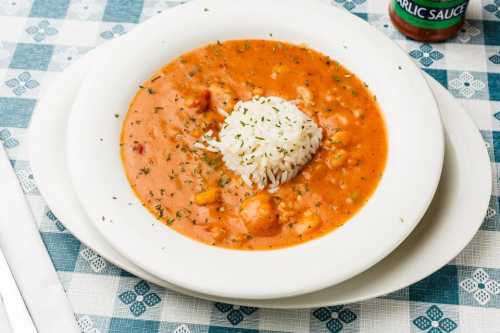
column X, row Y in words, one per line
column 159, row 210
column 223, row 180
column 211, row 161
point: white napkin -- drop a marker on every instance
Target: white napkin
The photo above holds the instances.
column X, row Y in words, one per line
column 4, row 320
column 28, row 259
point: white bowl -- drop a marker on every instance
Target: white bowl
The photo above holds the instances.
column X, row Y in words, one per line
column 415, row 158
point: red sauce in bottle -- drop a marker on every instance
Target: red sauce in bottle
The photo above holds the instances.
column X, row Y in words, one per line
column 428, row 20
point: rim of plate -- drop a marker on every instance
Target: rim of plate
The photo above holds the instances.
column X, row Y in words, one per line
column 416, row 150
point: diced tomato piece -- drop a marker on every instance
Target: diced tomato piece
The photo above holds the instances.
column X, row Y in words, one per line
column 139, row 148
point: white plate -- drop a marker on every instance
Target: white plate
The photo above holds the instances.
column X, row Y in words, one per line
column 450, row 223
column 415, row 152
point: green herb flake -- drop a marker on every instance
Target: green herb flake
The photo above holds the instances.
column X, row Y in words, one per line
column 212, row 162
column 223, row 180
column 159, row 211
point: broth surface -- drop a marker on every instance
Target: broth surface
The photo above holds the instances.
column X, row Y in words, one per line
column 193, row 192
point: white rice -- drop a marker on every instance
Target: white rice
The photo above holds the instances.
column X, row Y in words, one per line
column 266, row 141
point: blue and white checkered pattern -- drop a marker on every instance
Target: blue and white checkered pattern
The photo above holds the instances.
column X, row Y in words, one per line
column 39, row 38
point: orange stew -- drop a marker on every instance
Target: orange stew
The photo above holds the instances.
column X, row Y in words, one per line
column 193, row 192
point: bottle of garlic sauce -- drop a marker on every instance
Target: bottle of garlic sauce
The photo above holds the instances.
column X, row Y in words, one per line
column 428, row 20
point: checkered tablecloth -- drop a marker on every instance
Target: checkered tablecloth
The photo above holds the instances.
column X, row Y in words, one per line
column 39, row 38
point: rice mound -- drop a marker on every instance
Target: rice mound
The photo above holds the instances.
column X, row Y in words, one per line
column 266, row 140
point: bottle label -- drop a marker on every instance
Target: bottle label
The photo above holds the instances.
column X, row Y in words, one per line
column 430, row 14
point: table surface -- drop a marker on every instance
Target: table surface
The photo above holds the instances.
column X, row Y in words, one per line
column 39, row 38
